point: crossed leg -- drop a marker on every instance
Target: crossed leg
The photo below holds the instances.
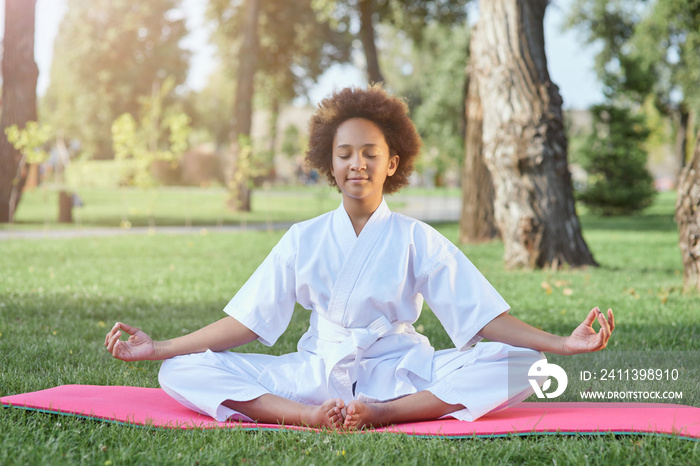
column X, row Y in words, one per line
column 333, row 413
column 421, row 406
column 273, row 409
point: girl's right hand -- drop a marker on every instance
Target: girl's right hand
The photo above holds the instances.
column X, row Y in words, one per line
column 138, row 347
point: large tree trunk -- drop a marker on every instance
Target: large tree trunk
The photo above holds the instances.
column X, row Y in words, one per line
column 524, row 143
column 477, row 222
column 374, row 75
column 238, row 171
column 20, row 74
column 688, row 219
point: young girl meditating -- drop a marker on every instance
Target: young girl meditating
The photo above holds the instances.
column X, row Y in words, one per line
column 363, row 272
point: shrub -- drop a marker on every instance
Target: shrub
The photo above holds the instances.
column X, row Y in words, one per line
column 618, row 181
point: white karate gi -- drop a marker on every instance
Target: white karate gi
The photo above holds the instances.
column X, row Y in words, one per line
column 364, row 293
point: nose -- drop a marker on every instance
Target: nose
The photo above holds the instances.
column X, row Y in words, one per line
column 357, row 162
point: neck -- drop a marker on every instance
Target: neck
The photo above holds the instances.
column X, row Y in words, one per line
column 360, row 210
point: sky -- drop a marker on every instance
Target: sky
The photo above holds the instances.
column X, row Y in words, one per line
column 570, row 62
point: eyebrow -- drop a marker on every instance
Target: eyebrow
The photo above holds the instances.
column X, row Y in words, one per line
column 368, row 144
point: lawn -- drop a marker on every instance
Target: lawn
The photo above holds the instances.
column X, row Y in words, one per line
column 59, row 297
column 183, row 206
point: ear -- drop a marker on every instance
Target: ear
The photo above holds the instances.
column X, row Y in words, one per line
column 393, row 164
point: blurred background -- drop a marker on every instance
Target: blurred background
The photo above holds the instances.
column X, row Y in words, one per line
column 179, row 111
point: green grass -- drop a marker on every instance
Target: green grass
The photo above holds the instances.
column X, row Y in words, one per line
column 182, row 206
column 112, row 207
column 59, row 297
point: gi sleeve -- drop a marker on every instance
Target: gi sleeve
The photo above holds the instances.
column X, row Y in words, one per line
column 460, row 296
column 265, row 303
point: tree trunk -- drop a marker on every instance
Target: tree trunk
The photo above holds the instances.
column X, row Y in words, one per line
column 238, row 175
column 272, row 141
column 477, row 222
column 20, row 74
column 681, row 143
column 524, row 143
column 688, row 219
column 374, row 75
column 65, row 207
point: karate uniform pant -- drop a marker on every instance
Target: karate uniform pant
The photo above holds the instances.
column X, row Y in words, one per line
column 488, row 377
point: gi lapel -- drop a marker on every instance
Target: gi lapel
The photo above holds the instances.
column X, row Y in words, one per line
column 355, row 259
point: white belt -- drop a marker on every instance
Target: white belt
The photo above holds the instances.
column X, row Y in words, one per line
column 352, row 340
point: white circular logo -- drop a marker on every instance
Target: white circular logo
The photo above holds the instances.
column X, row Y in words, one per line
column 542, row 368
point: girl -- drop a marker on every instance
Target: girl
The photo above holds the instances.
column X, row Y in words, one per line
column 363, row 272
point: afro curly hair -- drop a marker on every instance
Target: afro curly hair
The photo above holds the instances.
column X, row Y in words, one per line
column 389, row 113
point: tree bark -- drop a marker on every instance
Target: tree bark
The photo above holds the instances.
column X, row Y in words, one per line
column 374, row 75
column 236, row 179
column 477, row 222
column 524, row 143
column 20, row 75
column 688, row 219
column 681, row 143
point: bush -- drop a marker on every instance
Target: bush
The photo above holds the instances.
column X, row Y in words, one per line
column 618, row 181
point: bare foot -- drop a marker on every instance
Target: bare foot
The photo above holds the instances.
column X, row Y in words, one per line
column 329, row 414
column 360, row 414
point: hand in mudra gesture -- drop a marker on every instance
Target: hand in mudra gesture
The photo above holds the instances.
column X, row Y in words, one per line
column 584, row 339
column 138, row 347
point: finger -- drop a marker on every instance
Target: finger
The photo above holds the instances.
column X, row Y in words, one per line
column 601, row 320
column 601, row 339
column 588, row 321
column 605, row 331
column 604, row 324
column 130, row 329
column 113, row 341
column 118, row 350
column 111, row 333
column 611, row 320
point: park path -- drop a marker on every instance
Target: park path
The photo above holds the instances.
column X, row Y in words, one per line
column 426, row 208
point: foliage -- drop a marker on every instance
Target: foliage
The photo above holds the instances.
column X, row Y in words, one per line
column 667, row 40
column 648, row 48
column 211, row 109
column 160, row 134
column 295, row 46
column 613, row 24
column 431, row 74
column 409, row 16
column 618, row 180
column 292, row 141
column 107, row 55
column 30, row 141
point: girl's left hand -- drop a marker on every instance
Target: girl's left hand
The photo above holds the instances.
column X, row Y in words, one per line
column 584, row 338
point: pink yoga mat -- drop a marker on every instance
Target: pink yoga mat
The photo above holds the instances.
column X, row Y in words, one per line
column 153, row 408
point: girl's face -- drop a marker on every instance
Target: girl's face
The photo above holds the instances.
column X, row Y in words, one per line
column 361, row 161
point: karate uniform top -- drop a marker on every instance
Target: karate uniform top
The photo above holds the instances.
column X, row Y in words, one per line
column 365, row 293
